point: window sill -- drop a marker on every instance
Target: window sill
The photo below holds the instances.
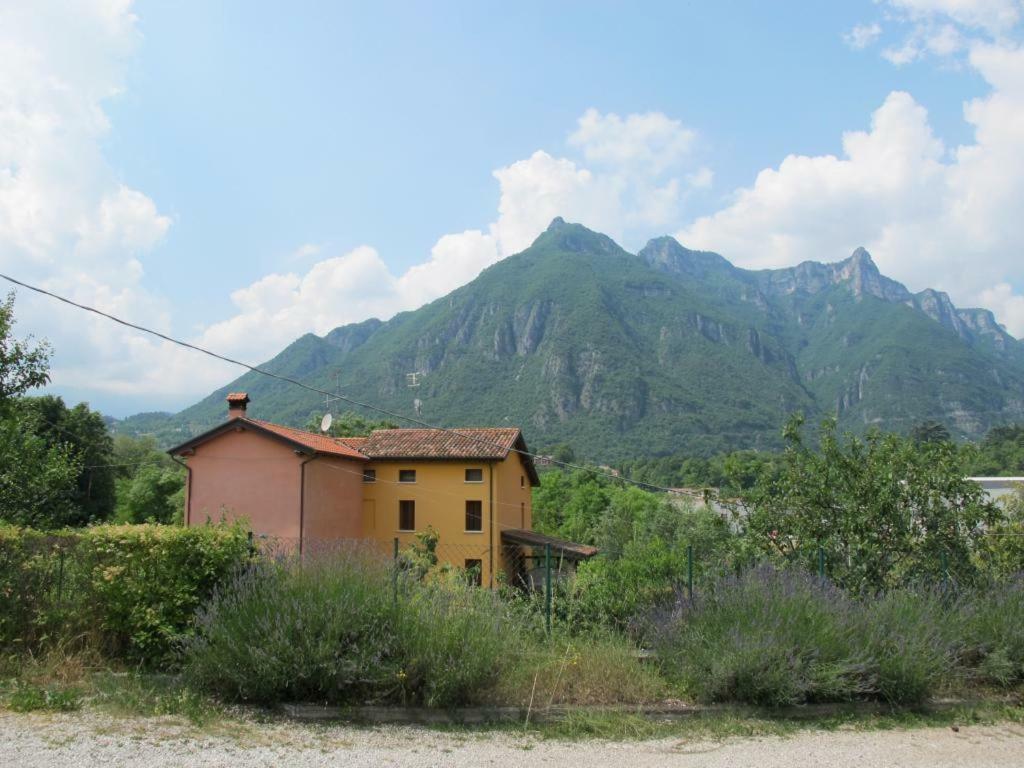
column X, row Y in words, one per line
column 478, row 532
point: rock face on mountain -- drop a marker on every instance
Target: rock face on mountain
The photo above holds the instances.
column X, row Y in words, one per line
column 667, row 350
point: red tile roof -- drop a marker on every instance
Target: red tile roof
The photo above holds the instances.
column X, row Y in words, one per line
column 393, row 444
column 458, row 443
column 319, row 443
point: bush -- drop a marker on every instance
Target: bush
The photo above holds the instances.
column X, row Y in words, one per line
column 992, row 641
column 776, row 639
column 330, row 629
column 131, row 591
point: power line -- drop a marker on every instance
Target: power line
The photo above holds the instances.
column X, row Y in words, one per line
column 295, row 382
column 317, row 390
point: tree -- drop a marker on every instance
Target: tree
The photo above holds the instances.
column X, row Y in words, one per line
column 152, row 494
column 349, row 424
column 85, row 434
column 37, row 478
column 1000, row 453
column 930, row 432
column 23, row 366
column 885, row 510
column 150, row 484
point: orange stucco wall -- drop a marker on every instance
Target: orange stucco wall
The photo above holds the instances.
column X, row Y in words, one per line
column 334, row 499
column 242, row 474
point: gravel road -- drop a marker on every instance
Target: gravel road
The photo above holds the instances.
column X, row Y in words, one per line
column 86, row 740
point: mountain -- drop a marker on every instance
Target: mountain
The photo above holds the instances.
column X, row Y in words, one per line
column 667, row 350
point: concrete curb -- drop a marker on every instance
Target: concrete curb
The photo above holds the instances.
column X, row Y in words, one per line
column 383, row 715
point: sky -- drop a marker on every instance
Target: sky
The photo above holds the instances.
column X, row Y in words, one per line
column 240, row 173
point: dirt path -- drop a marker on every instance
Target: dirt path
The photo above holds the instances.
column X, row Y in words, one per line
column 83, row 741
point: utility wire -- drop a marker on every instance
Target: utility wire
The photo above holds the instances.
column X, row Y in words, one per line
column 317, row 390
column 352, row 401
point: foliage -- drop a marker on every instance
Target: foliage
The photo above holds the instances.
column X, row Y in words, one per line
column 776, row 639
column 597, row 668
column 331, row 629
column 152, row 495
column 349, row 424
column 1001, row 553
column 420, row 557
column 85, row 435
column 150, row 484
column 131, row 591
column 731, row 473
column 38, row 481
column 886, row 510
column 23, row 365
column 1000, row 453
column 930, row 432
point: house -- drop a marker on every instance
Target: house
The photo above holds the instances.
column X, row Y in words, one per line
column 472, row 486
column 999, row 488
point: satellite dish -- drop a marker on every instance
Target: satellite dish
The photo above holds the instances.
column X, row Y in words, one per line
column 325, row 422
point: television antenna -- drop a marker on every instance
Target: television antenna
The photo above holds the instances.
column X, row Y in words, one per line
column 412, row 380
column 325, row 422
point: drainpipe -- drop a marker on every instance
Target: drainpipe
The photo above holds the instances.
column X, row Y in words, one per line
column 490, row 506
column 188, row 489
column 302, row 495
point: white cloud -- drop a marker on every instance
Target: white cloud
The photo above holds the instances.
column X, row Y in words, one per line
column 862, row 35
column 66, row 220
column 636, row 183
column 993, row 16
column 931, row 217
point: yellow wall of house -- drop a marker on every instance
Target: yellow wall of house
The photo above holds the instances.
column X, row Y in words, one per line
column 440, row 494
column 512, row 508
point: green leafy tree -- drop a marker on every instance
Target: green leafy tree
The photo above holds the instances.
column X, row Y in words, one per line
column 86, row 436
column 1002, row 553
column 38, row 479
column 349, row 424
column 930, row 432
column 24, row 365
column 153, row 494
column 886, row 510
column 1000, row 453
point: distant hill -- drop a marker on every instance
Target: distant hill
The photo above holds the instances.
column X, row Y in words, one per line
column 664, row 351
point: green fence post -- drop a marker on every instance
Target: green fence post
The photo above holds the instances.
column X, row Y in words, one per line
column 821, row 562
column 689, row 572
column 547, row 587
column 394, row 571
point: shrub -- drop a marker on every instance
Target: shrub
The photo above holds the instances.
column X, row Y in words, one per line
column 990, row 622
column 130, row 590
column 334, row 629
column 908, row 638
column 781, row 638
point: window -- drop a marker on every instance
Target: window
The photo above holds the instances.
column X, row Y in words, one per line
column 474, row 475
column 522, row 481
column 474, row 515
column 407, row 475
column 522, row 514
column 407, row 515
column 475, row 572
column 369, row 475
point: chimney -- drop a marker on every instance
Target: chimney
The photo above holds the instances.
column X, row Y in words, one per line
column 236, row 404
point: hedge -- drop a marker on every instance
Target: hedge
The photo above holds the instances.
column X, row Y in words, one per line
column 129, row 591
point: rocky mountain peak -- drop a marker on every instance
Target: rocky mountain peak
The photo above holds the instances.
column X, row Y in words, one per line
column 667, row 255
